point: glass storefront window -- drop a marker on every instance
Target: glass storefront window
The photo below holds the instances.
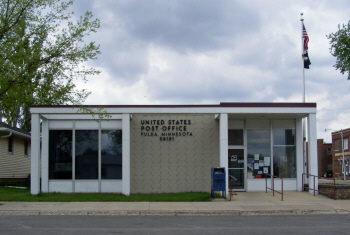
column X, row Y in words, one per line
column 60, row 154
column 86, row 154
column 284, row 156
column 259, row 153
column 235, row 137
column 283, row 137
column 111, row 154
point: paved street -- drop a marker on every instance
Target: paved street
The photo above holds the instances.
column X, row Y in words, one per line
column 291, row 224
column 248, row 213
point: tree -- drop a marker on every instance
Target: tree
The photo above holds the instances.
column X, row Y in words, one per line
column 42, row 54
column 340, row 48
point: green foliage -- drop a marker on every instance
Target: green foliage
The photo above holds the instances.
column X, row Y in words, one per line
column 14, row 194
column 340, row 48
column 97, row 113
column 43, row 53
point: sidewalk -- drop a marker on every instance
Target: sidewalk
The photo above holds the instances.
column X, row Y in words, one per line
column 254, row 203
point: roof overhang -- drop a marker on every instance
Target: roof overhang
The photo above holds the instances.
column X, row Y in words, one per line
column 6, row 131
column 239, row 111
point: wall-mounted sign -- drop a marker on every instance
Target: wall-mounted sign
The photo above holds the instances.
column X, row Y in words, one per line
column 166, row 130
column 233, row 158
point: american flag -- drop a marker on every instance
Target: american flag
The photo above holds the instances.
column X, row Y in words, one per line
column 306, row 38
column 306, row 58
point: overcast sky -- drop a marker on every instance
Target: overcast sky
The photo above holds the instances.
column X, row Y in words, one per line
column 207, row 52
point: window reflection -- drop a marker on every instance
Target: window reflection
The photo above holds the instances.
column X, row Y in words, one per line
column 111, row 154
column 60, row 154
column 284, row 156
column 86, row 154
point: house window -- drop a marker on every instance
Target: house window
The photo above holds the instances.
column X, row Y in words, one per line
column 329, row 151
column 346, row 146
column 336, row 145
column 26, row 148
column 10, row 145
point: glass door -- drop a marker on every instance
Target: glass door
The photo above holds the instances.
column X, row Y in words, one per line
column 236, row 168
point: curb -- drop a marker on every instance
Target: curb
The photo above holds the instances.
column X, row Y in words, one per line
column 173, row 213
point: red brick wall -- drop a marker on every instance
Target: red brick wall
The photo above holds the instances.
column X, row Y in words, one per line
column 323, row 158
column 338, row 154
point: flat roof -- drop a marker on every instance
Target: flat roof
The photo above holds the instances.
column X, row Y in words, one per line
column 222, row 104
column 239, row 110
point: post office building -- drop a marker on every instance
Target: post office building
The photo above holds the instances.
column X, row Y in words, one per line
column 170, row 148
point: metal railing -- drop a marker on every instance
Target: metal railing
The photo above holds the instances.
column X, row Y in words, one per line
column 314, row 180
column 273, row 185
column 230, row 186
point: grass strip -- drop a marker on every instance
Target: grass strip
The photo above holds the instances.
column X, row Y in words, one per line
column 16, row 194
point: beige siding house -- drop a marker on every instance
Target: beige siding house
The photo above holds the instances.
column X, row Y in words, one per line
column 14, row 154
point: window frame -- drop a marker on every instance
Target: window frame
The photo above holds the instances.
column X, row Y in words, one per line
column 329, row 151
column 336, row 145
column 100, row 148
column 345, row 143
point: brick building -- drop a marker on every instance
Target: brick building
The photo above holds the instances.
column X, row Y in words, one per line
column 337, row 154
column 324, row 158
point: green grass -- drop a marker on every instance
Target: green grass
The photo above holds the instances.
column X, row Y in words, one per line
column 15, row 194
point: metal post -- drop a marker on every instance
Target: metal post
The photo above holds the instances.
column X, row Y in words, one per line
column 302, row 182
column 302, row 55
column 303, row 95
column 342, row 146
column 282, row 189
column 314, row 186
column 273, row 183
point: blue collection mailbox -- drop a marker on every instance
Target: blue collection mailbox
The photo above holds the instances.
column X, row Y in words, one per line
column 218, row 181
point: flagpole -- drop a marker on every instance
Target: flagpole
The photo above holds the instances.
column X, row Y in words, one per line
column 303, row 96
column 302, row 55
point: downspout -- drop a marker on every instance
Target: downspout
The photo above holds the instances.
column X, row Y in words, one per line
column 6, row 135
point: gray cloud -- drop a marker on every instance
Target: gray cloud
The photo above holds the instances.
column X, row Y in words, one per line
column 185, row 25
column 156, row 52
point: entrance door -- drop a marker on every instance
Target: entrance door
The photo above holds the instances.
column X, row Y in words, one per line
column 236, row 168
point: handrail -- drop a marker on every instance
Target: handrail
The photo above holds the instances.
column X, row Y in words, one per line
column 313, row 189
column 230, row 190
column 273, row 185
